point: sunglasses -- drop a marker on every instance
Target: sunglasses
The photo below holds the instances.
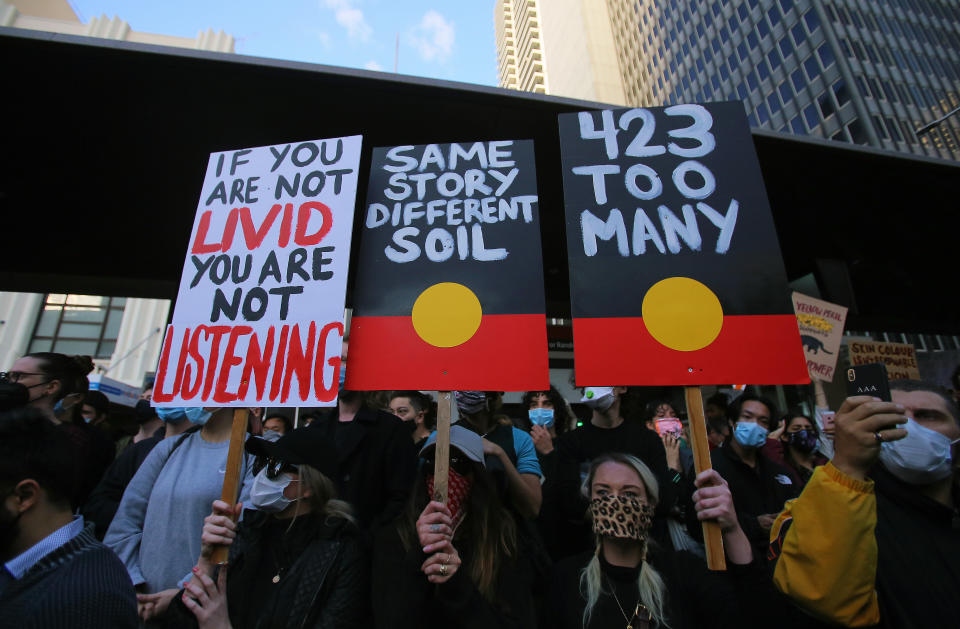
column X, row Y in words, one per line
column 274, row 467
column 460, row 464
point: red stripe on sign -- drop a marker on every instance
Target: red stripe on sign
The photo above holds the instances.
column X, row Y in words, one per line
column 759, row 349
column 507, row 353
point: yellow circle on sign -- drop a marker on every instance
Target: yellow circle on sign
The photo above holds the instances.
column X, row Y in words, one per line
column 446, row 314
column 682, row 314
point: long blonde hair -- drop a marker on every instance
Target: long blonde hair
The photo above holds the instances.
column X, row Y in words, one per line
column 322, row 494
column 651, row 585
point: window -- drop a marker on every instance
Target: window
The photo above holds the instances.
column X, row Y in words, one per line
column 763, row 70
column 862, row 86
column 908, row 133
column 774, row 16
column 762, row 114
column 858, row 132
column 881, row 129
column 784, row 91
column 773, row 103
column 742, row 51
column 763, row 29
column 810, row 115
column 894, row 132
column 774, row 59
column 839, row 136
column 78, row 324
column 841, row 92
column 743, row 12
column 826, row 105
column 891, row 95
column 811, row 20
column 796, row 125
column 785, row 48
column 752, row 80
column 810, row 67
column 786, row 5
column 826, row 55
column 742, row 91
column 752, row 40
column 797, row 79
column 797, row 33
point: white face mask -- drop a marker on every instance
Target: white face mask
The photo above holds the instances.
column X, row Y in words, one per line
column 920, row 458
column 267, row 495
column 600, row 398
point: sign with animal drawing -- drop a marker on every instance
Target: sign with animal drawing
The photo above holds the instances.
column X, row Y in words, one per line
column 676, row 276
column 821, row 331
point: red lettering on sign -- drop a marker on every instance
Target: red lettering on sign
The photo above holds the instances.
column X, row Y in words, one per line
column 199, row 243
column 303, row 218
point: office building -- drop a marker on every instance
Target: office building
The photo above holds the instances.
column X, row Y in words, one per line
column 870, row 73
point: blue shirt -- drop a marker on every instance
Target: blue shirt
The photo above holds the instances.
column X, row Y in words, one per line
column 21, row 564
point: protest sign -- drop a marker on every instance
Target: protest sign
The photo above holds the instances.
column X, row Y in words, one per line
column 675, row 270
column 821, row 330
column 259, row 316
column 900, row 358
column 449, row 288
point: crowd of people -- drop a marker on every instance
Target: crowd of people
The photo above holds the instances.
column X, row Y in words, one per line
column 549, row 520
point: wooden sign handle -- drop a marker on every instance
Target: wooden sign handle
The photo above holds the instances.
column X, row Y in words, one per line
column 441, row 469
column 231, row 479
column 712, row 537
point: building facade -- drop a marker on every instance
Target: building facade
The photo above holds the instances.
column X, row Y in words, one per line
column 122, row 335
column 868, row 72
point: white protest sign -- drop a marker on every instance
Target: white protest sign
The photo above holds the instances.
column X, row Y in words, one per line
column 259, row 315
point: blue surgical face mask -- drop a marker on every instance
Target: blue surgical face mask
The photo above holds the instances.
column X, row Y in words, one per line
column 750, row 434
column 195, row 414
column 343, row 376
column 541, row 416
column 58, row 408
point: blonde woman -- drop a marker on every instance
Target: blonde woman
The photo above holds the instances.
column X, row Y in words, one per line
column 626, row 582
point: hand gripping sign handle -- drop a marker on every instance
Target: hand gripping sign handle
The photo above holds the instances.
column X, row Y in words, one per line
column 441, row 470
column 712, row 537
column 231, row 479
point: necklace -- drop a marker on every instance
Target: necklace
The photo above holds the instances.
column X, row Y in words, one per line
column 636, row 610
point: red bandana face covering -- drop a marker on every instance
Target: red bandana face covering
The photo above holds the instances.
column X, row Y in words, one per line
column 458, row 489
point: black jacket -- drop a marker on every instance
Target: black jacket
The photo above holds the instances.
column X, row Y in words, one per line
column 695, row 597
column 404, row 599
column 756, row 491
column 325, row 587
column 81, row 585
column 377, row 464
column 102, row 504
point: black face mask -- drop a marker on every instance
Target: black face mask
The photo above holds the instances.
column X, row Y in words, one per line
column 143, row 412
column 13, row 395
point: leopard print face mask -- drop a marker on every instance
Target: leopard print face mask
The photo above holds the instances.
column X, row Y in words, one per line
column 623, row 517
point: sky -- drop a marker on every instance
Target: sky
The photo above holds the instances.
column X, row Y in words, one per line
column 452, row 39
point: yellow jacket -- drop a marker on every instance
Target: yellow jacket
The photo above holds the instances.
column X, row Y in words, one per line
column 825, row 549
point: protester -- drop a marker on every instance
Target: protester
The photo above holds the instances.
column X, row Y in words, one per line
column 873, row 538
column 51, row 379
column 278, row 423
column 101, row 506
column 376, row 459
column 156, row 531
column 95, row 408
column 54, row 573
column 796, row 447
column 511, row 447
column 457, row 564
column 715, row 412
column 413, row 407
column 549, row 418
column 295, row 562
column 606, row 432
column 148, row 422
column 758, row 485
column 626, row 580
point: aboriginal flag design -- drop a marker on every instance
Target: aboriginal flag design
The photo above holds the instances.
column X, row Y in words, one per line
column 449, row 288
column 676, row 275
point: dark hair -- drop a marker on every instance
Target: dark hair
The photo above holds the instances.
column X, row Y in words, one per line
column 33, row 447
column 487, row 525
column 70, row 371
column 653, row 406
column 929, row 387
column 719, row 400
column 733, row 411
column 561, row 419
column 796, row 413
column 287, row 422
column 420, row 402
column 97, row 400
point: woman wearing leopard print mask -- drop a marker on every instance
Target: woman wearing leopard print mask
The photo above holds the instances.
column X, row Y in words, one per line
column 627, row 581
